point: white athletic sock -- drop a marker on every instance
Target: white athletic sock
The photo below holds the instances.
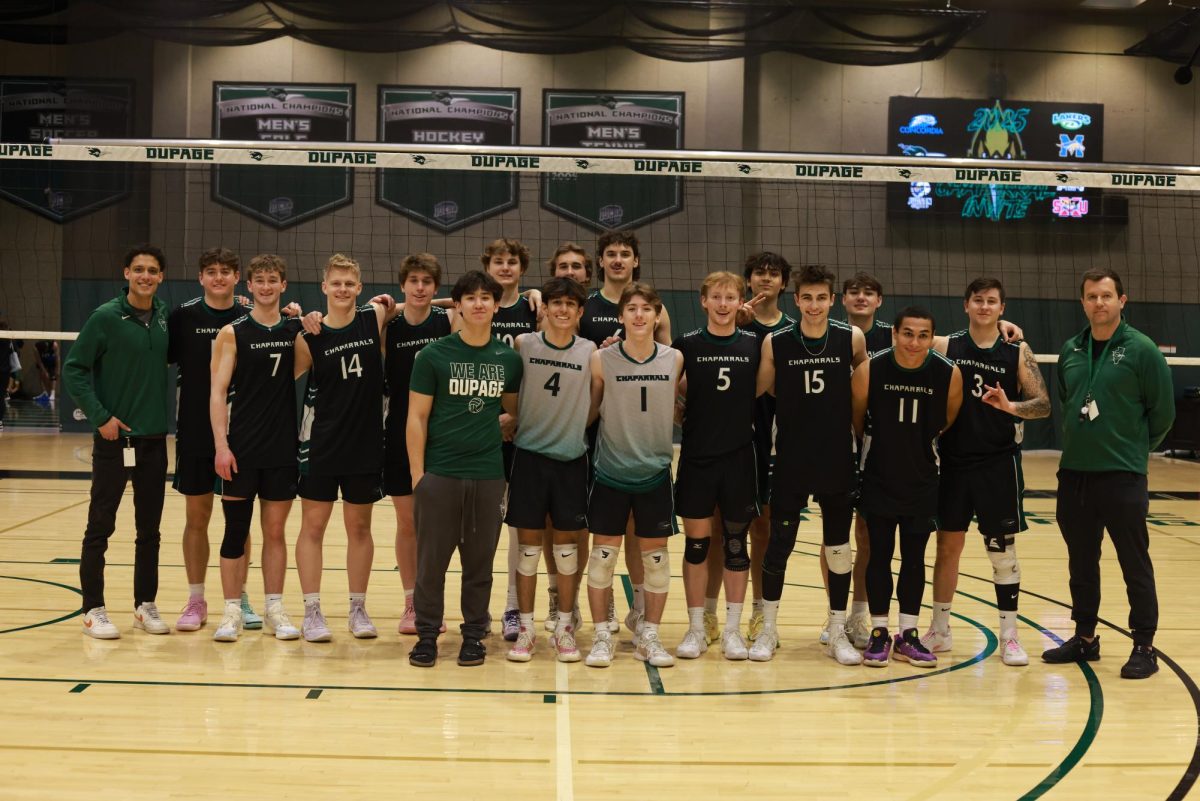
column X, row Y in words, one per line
column 527, row 621
column 274, row 598
column 757, row 605
column 510, row 602
column 233, row 602
column 196, row 590
column 1008, row 624
column 359, row 598
column 907, row 622
column 710, row 605
column 312, row 598
column 879, row 622
column 696, row 618
column 514, row 555
column 941, row 617
column 837, row 618
column 733, row 616
column 859, row 608
column 408, row 594
column 552, row 581
column 639, row 598
column 770, row 614
column 649, row 630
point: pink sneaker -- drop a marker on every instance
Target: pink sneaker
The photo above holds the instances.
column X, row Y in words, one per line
column 408, row 621
column 564, row 645
column 194, row 615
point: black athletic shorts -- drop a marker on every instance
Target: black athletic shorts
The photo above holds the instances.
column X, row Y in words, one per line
column 508, row 452
column 266, row 483
column 992, row 493
column 653, row 511
column 540, row 486
column 195, row 474
column 728, row 481
column 355, row 488
column 397, row 475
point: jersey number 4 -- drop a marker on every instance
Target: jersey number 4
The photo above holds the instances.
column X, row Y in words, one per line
column 552, row 384
column 355, row 366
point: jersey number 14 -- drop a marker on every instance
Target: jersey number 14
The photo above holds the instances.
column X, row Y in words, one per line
column 355, row 366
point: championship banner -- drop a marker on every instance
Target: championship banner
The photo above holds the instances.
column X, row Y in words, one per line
column 283, row 196
column 447, row 200
column 33, row 110
column 650, row 120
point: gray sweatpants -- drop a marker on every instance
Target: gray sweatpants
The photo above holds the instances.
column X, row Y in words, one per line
column 455, row 513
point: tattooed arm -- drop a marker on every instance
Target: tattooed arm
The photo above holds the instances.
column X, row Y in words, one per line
column 1033, row 388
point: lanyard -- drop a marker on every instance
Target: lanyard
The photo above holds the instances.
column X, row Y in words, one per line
column 1094, row 368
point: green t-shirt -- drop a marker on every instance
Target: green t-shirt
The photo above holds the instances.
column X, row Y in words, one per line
column 466, row 383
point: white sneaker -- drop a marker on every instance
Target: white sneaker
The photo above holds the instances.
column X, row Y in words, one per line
column 824, row 636
column 231, row 623
column 96, row 624
column 146, row 617
column 941, row 641
column 763, row 649
column 276, row 622
column 733, row 645
column 522, row 649
column 650, row 649
column 601, row 654
column 1011, row 652
column 551, row 623
column 840, row 649
column 613, row 626
column 633, row 622
column 694, row 643
column 858, row 631
column 360, row 622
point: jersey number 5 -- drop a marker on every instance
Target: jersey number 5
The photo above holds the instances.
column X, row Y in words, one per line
column 723, row 380
column 353, row 367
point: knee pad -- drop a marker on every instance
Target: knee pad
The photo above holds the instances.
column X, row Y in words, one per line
column 237, row 527
column 658, row 570
column 737, row 558
column 601, row 566
column 695, row 552
column 528, row 557
column 839, row 558
column 566, row 558
column 1005, row 567
column 780, row 545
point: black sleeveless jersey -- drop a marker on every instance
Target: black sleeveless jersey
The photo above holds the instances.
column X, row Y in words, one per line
column 814, row 443
column 192, row 328
column 764, row 407
column 262, row 394
column 906, row 410
column 879, row 337
column 510, row 322
column 600, row 319
column 980, row 432
column 342, row 430
column 404, row 341
column 721, row 375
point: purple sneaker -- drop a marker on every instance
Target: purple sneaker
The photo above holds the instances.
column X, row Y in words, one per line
column 909, row 648
column 511, row 624
column 879, row 646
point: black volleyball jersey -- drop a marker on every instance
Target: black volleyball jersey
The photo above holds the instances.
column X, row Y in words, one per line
column 980, row 432
column 342, row 430
column 879, row 337
column 600, row 320
column 906, row 410
column 192, row 327
column 262, row 394
column 404, row 341
column 764, row 407
column 721, row 375
column 814, row 441
column 510, row 322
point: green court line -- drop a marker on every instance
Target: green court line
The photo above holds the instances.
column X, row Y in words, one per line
column 652, row 674
column 313, row 695
column 59, row 619
column 78, row 688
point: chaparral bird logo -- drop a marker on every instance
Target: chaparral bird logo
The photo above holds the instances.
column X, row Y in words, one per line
column 1062, row 177
column 256, row 155
column 419, row 159
column 1118, row 354
column 607, row 100
column 277, row 93
column 445, row 98
column 581, row 163
column 905, row 173
column 744, row 169
column 95, row 152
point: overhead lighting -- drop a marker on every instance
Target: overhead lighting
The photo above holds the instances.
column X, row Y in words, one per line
column 1112, row 5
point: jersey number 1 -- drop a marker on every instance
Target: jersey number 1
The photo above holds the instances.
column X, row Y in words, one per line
column 915, row 403
column 354, row 367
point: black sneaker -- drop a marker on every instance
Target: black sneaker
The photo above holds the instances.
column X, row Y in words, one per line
column 1075, row 649
column 472, row 653
column 424, row 653
column 1142, row 664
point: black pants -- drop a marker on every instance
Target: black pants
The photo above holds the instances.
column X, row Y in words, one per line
column 455, row 513
column 1089, row 503
column 836, row 516
column 109, row 476
column 914, row 536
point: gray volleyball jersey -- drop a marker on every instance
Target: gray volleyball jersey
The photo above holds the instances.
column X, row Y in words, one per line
column 633, row 451
column 555, row 397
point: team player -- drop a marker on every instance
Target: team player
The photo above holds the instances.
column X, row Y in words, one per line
column 47, row 367
column 192, row 327
column 619, row 256
column 459, row 385
column 252, row 408
column 550, row 472
column 807, row 368
column 572, row 261
column 420, row 324
column 981, row 462
column 717, row 463
column 907, row 395
column 341, row 441
column 634, row 383
column 767, row 275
